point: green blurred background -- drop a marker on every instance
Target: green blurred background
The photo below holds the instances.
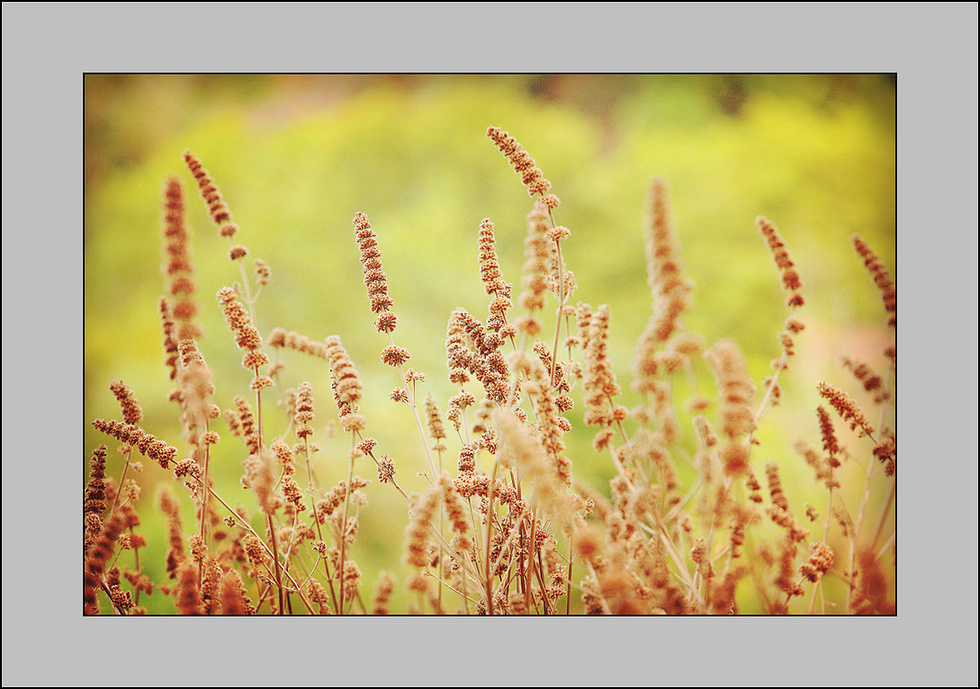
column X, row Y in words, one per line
column 295, row 157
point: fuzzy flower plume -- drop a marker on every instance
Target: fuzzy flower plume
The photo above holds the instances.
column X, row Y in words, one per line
column 346, row 384
column 375, row 279
column 520, row 160
column 735, row 394
column 881, row 277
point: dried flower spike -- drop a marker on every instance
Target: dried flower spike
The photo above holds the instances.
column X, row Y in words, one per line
column 346, row 383
column 787, row 269
column 600, row 380
column 146, row 444
column 178, row 268
column 881, row 277
column 304, row 410
column 520, row 160
column 375, row 279
column 821, row 559
column 95, row 488
column 131, row 411
column 537, row 264
column 246, row 336
column 846, row 407
column 735, row 389
column 217, row 208
column 489, row 266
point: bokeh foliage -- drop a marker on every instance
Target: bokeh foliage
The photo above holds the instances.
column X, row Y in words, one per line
column 297, row 156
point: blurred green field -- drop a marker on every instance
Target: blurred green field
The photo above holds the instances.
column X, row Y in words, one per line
column 296, row 156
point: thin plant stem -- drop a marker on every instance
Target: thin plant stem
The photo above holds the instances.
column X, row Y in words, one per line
column 343, row 531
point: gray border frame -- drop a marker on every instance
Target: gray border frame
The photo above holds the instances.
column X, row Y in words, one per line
column 933, row 48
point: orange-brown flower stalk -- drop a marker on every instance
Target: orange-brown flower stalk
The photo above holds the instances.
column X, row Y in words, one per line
column 132, row 414
column 820, row 562
column 791, row 283
column 779, row 510
column 871, row 381
column 261, row 479
column 787, row 269
column 884, row 452
column 456, row 511
column 175, row 555
column 196, row 390
column 668, row 286
column 872, row 594
column 335, row 496
column 490, row 273
column 217, row 208
column 829, row 436
column 248, row 340
column 417, row 539
column 538, row 255
column 346, row 384
column 375, row 279
column 178, row 267
column 484, row 360
column 169, row 338
column 664, row 347
column 436, row 429
column 519, row 449
column 188, row 595
column 95, row 489
column 350, row 580
column 131, row 411
column 97, row 559
column 234, row 595
column 492, row 278
column 551, row 426
column 197, row 387
column 376, row 283
column 281, row 338
column 600, row 380
column 776, row 493
column 246, row 427
column 146, row 443
column 460, row 358
column 846, row 407
column 263, row 273
column 383, row 589
column 735, row 393
column 319, row 595
column 246, row 335
column 210, row 585
column 304, row 410
column 520, row 160
column 881, row 277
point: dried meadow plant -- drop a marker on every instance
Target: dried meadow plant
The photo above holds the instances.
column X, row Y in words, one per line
column 502, row 524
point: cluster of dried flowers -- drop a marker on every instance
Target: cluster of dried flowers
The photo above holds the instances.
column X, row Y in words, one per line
column 509, row 530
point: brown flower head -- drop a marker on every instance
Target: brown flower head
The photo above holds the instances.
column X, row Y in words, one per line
column 131, row 411
column 538, row 258
column 846, row 407
column 346, row 383
column 600, row 380
column 520, row 160
column 881, row 277
column 178, row 267
column 787, row 269
column 375, row 279
column 735, row 389
column 217, row 208
column 489, row 266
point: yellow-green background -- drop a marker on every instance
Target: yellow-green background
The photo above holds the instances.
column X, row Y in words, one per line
column 297, row 156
